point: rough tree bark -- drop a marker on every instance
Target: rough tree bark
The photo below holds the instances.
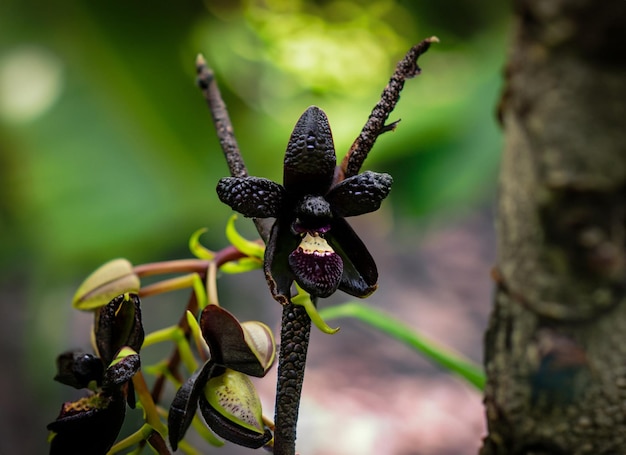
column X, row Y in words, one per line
column 555, row 352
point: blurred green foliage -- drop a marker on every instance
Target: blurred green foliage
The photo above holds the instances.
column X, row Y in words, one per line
column 107, row 148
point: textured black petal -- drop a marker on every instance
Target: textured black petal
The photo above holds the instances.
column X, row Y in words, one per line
column 254, row 197
column 276, row 264
column 317, row 268
column 360, row 275
column 88, row 426
column 310, row 159
column 122, row 371
column 78, row 369
column 360, row 194
column 185, row 403
column 118, row 324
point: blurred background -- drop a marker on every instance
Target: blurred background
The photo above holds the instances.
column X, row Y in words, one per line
column 107, row 150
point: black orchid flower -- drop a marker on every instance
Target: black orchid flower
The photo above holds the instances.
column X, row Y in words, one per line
column 91, row 424
column 310, row 242
column 221, row 387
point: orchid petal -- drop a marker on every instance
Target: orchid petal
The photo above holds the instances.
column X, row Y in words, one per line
column 185, row 403
column 89, row 425
column 360, row 194
column 230, row 346
column 232, row 409
column 360, row 274
column 310, row 159
column 253, row 197
column 316, row 266
column 276, row 264
column 118, row 324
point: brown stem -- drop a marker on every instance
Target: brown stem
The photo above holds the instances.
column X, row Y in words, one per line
column 176, row 266
column 375, row 125
column 224, row 255
column 294, row 342
column 225, row 132
column 221, row 119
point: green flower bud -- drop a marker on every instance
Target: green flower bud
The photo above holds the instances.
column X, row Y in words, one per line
column 232, row 409
column 105, row 283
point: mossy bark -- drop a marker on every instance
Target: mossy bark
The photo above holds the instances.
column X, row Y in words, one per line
column 555, row 348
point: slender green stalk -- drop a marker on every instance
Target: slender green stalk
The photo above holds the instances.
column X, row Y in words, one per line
column 151, row 414
column 160, row 336
column 135, row 438
column 445, row 357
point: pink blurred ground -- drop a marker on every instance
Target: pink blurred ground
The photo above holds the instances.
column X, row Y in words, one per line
column 367, row 394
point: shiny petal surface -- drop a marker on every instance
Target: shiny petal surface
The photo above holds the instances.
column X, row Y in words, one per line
column 254, row 197
column 122, row 371
column 185, row 403
column 360, row 275
column 276, row 263
column 78, row 369
column 310, row 159
column 232, row 409
column 118, row 324
column 360, row 194
column 227, row 342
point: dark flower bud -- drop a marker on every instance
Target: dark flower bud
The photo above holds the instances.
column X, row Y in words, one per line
column 77, row 369
column 125, row 365
column 185, row 403
column 249, row 348
column 87, row 426
column 118, row 324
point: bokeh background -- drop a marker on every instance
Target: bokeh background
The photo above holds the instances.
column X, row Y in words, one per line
column 107, row 150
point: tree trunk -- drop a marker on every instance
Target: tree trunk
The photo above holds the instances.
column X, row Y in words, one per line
column 555, row 349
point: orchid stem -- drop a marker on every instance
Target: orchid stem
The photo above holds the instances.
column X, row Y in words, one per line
column 225, row 133
column 131, row 440
column 294, row 343
column 375, row 125
column 149, row 408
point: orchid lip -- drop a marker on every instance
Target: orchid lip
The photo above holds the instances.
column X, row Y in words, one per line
column 317, row 267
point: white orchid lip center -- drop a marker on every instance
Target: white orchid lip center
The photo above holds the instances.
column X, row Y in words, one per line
column 315, row 244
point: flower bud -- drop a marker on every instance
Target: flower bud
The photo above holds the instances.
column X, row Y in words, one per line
column 118, row 324
column 105, row 283
column 250, row 350
column 232, row 409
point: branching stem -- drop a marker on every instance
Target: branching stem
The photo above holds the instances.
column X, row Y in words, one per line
column 225, row 131
column 221, row 119
column 296, row 324
column 375, row 125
